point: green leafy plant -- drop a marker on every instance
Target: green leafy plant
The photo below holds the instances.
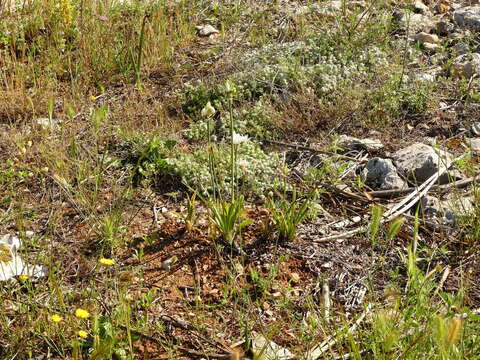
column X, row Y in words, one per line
column 288, row 214
column 152, row 159
column 229, row 219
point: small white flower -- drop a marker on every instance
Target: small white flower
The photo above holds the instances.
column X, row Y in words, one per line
column 242, row 163
column 238, row 139
column 208, row 111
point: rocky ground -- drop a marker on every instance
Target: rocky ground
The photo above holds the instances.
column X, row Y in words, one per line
column 363, row 114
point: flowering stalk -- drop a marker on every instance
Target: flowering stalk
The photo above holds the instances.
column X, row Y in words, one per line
column 230, row 88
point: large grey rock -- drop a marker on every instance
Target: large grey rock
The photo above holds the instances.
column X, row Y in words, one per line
column 447, row 211
column 468, row 17
column 418, row 162
column 382, row 174
column 467, row 65
column 414, row 23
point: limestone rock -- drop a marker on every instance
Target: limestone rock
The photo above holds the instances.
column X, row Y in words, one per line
column 263, row 348
column 421, row 8
column 468, row 17
column 424, row 38
column 474, row 144
column 352, row 143
column 476, row 128
column 467, row 65
column 206, row 30
column 382, row 174
column 418, row 162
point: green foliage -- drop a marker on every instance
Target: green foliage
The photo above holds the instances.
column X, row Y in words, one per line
column 255, row 169
column 255, row 121
column 151, row 160
column 229, row 219
column 288, row 214
column 109, row 342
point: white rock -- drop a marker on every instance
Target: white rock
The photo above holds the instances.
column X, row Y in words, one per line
column 351, row 143
column 474, row 144
column 47, row 123
column 418, row 162
column 206, row 30
column 467, row 65
column 421, row 8
column 382, row 174
column 265, row 349
column 476, row 128
column 447, row 211
column 468, row 17
column 430, row 47
column 423, row 38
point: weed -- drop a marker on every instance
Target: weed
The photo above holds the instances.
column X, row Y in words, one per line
column 288, row 214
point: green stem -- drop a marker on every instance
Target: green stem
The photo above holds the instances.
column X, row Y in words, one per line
column 140, row 48
column 232, row 150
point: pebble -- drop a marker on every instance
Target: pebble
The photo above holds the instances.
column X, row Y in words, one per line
column 206, row 30
column 423, row 38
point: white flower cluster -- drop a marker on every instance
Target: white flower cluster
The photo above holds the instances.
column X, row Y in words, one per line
column 256, row 170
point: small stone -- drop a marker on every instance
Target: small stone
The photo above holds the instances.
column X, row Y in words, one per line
column 421, row 8
column 476, row 128
column 29, row 234
column 423, row 38
column 206, row 30
column 265, row 349
column 467, row 65
column 474, row 144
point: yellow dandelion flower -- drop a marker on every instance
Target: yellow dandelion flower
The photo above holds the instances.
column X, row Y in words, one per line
column 23, row 277
column 82, row 314
column 82, row 333
column 56, row 318
column 106, row 262
column 92, row 98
